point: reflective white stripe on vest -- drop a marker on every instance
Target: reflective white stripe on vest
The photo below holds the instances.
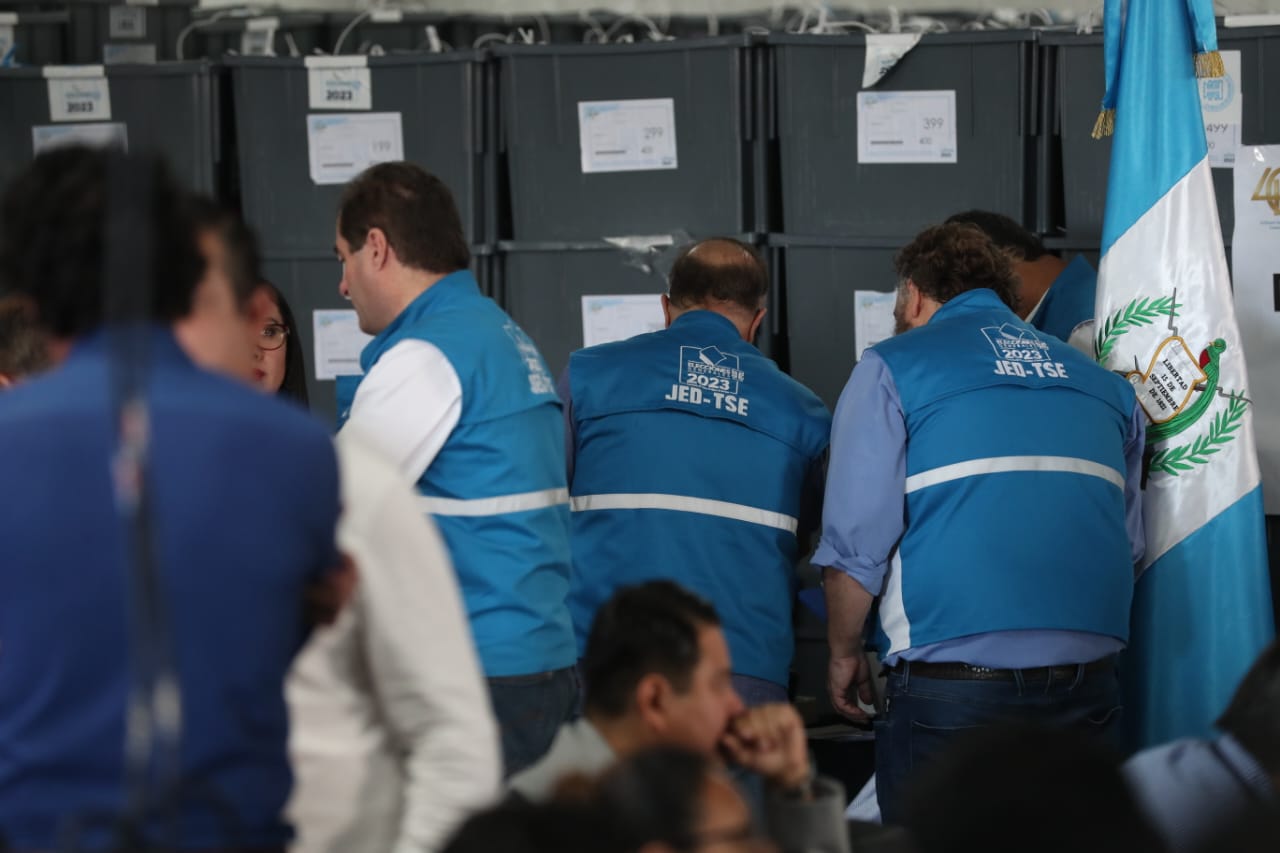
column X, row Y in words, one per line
column 1008, row 464
column 681, row 503
column 500, row 505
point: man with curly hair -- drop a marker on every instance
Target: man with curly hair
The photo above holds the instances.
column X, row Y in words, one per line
column 985, row 484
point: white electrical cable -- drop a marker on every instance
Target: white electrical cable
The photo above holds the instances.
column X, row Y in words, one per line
column 195, row 25
column 293, row 45
column 488, row 38
column 346, row 31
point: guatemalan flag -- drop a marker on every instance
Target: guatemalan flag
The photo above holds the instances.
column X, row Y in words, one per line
column 1202, row 608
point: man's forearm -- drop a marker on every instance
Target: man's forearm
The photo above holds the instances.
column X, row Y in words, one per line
column 848, row 604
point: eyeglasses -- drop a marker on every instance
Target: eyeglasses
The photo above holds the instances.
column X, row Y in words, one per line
column 273, row 336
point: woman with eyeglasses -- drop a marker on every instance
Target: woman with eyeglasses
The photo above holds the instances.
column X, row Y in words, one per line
column 279, row 367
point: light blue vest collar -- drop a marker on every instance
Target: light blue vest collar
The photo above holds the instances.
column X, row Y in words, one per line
column 451, row 288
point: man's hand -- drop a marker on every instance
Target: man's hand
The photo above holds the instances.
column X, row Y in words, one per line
column 770, row 740
column 325, row 597
column 849, row 679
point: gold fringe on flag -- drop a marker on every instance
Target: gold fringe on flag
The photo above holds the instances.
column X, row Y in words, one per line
column 1210, row 65
column 1105, row 125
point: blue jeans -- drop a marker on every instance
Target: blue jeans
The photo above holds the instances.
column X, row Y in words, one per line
column 530, row 710
column 924, row 715
column 758, row 691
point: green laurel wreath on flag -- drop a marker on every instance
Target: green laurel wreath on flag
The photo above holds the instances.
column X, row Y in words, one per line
column 1174, row 460
column 1139, row 312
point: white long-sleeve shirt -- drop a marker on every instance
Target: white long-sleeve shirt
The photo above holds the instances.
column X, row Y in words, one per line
column 393, row 741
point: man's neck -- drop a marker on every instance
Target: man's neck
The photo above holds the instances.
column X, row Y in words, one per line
column 624, row 735
column 730, row 312
column 1036, row 278
column 412, row 285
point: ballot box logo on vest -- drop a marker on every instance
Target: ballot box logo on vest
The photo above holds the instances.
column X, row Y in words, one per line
column 1177, row 387
column 711, row 377
column 1021, row 354
column 539, row 378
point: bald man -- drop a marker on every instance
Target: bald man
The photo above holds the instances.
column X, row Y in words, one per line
column 693, row 458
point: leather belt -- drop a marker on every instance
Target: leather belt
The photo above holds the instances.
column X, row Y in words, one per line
column 969, row 672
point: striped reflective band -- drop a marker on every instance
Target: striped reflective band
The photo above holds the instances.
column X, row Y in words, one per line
column 1008, row 464
column 681, row 503
column 500, row 505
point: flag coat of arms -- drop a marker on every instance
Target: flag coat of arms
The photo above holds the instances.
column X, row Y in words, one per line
column 1165, row 319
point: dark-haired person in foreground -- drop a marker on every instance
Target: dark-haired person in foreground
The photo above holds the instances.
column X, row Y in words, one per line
column 244, row 496
column 985, row 484
column 457, row 396
column 693, row 457
column 657, row 673
column 1054, row 295
column 1194, row 788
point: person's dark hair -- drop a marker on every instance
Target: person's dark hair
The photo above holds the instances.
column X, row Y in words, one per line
column 1015, row 787
column 719, row 270
column 1004, row 232
column 244, row 258
column 295, row 365
column 53, row 223
column 518, row 826
column 1253, row 717
column 23, row 345
column 650, row 628
column 413, row 208
column 656, row 796
column 946, row 260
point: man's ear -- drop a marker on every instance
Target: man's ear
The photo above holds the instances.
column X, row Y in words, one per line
column 652, row 696
column 666, row 309
column 379, row 248
column 5, row 381
column 756, row 322
column 915, row 303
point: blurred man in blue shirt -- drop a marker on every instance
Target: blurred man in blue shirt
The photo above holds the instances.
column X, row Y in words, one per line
column 984, row 482
column 243, row 499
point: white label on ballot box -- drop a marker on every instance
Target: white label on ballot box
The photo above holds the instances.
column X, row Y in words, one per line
column 6, row 40
column 339, row 342
column 342, row 146
column 339, row 83
column 103, row 134
column 627, row 136
column 907, row 127
column 127, row 22
column 606, row 319
column 78, row 93
column 872, row 318
column 1222, row 106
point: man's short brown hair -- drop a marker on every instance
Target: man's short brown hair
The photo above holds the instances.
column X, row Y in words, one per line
column 944, row 261
column 719, row 270
column 23, row 345
column 413, row 208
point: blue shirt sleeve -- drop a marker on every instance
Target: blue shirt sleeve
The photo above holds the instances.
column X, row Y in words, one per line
column 1134, row 446
column 864, row 513
column 565, row 391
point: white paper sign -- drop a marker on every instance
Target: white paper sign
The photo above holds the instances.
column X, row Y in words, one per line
column 78, row 93
column 907, row 127
column 7, row 48
column 339, row 83
column 338, row 343
column 606, row 319
column 126, row 22
column 883, row 52
column 627, row 136
column 1222, row 106
column 97, row 135
column 1255, row 266
column 872, row 318
column 342, row 146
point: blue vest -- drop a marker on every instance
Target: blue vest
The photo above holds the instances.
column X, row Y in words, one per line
column 497, row 487
column 692, row 452
column 1069, row 301
column 1015, row 482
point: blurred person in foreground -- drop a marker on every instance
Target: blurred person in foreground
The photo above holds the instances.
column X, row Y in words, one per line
column 24, row 350
column 244, row 501
column 658, row 673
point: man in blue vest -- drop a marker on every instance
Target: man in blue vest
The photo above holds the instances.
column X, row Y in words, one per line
column 694, row 458
column 985, row 484
column 1054, row 295
column 459, row 398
